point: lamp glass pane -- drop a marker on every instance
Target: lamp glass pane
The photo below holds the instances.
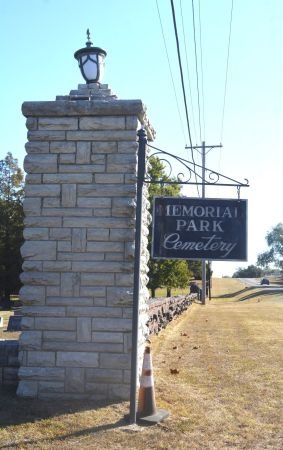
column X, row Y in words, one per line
column 89, row 67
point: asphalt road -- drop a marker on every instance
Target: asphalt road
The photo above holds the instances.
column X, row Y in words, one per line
column 255, row 282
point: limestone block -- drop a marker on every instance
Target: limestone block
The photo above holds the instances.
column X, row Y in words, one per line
column 27, row 323
column 29, row 266
column 122, row 207
column 93, row 222
column 105, row 246
column 70, row 283
column 79, row 239
column 42, row 373
column 83, row 152
column 104, row 375
column 109, row 178
column 59, row 336
column 51, row 202
column 46, row 135
column 82, row 347
column 106, row 190
column 63, row 108
column 132, row 123
column 119, row 391
column 95, row 311
column 27, row 388
column 54, row 323
column 115, row 361
column 124, row 279
column 104, row 147
column 66, row 177
column 64, row 246
column 108, row 337
column 98, row 234
column 42, row 221
column 119, row 296
column 130, row 178
column 96, row 391
column 37, row 147
column 77, row 359
column 67, row 158
column 32, row 295
column 31, row 123
column 65, row 301
column 60, row 233
column 53, row 387
column 57, row 266
column 69, row 256
column 43, row 311
column 128, row 147
column 40, row 163
column 102, row 123
column 106, row 135
column 39, row 250
column 83, row 326
column 69, row 194
column 121, row 162
column 129, row 250
column 41, row 359
column 52, row 291
column 30, row 340
column 97, row 279
column 114, row 256
column 96, row 292
column 111, row 324
column 102, row 266
column 86, row 169
column 98, row 159
column 102, row 203
column 62, row 147
column 61, row 212
column 43, row 190
column 36, row 234
column 54, row 123
column 75, row 379
column 33, row 178
column 123, row 234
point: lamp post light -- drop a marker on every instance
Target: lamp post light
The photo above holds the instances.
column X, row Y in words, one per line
column 91, row 61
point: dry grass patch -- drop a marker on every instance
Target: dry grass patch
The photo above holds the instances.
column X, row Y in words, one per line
column 225, row 391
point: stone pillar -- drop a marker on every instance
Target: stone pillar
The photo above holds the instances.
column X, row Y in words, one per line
column 78, row 253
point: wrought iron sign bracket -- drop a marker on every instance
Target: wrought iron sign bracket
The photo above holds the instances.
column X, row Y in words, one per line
column 193, row 173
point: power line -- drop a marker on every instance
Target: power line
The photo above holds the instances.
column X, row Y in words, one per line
column 181, row 73
column 197, row 75
column 188, row 71
column 201, row 69
column 171, row 74
column 227, row 67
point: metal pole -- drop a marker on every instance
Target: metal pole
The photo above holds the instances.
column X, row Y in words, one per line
column 136, row 291
column 203, row 264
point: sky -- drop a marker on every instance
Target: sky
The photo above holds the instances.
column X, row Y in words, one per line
column 39, row 37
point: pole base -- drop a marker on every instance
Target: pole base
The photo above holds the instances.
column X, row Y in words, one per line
column 157, row 417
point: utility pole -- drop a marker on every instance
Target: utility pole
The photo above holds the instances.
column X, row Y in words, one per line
column 203, row 263
column 203, row 148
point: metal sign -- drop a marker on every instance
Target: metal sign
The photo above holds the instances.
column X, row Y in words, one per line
column 192, row 228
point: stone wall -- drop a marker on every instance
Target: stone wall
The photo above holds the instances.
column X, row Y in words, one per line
column 78, row 253
column 9, row 363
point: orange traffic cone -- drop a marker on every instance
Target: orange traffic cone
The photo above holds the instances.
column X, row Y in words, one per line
column 146, row 403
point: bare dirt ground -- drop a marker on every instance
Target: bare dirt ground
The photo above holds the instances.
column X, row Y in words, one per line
column 217, row 371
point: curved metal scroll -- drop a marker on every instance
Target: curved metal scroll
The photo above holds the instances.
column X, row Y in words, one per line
column 212, row 178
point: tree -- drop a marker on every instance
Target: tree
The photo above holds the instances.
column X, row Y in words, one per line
column 248, row 272
column 11, row 226
column 171, row 273
column 275, row 254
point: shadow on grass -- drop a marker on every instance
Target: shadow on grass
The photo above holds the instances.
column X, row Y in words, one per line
column 233, row 294
column 261, row 293
column 15, row 410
